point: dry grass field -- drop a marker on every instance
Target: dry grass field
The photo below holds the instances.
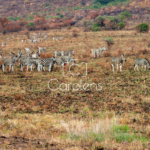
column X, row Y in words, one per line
column 114, row 116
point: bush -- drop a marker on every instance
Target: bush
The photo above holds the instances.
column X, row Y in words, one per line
column 95, row 27
column 122, row 25
column 30, row 24
column 143, row 27
column 61, row 15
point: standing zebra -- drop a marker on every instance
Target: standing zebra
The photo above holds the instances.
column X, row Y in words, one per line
column 141, row 62
column 49, row 62
column 118, row 61
column 9, row 62
column 100, row 50
column 68, row 53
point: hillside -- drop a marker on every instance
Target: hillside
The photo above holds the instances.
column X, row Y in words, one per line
column 51, row 8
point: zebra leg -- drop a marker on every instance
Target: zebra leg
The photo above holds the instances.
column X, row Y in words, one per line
column 117, row 67
column 3, row 66
column 12, row 68
column 9, row 67
column 27, row 67
column 142, row 67
column 145, row 67
column 31, row 67
column 112, row 67
column 121, row 68
column 135, row 67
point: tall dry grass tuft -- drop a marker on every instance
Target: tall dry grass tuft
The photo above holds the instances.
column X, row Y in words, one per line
column 46, row 55
column 107, row 54
column 104, row 65
column 143, row 51
column 119, row 52
column 75, row 32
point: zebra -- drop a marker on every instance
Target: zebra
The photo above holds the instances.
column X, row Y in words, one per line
column 49, row 62
column 23, row 41
column 9, row 62
column 93, row 51
column 142, row 62
column 100, row 50
column 55, row 38
column 3, row 44
column 28, row 62
column 35, row 55
column 68, row 59
column 41, row 49
column 118, row 61
column 27, row 49
column 60, row 61
column 58, row 53
column 68, row 53
column 8, row 39
column 34, row 41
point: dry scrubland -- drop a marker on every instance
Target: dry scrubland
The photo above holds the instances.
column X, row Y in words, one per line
column 117, row 117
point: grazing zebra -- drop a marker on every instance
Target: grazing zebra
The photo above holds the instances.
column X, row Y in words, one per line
column 28, row 62
column 58, row 53
column 42, row 62
column 68, row 53
column 59, row 61
column 100, row 50
column 27, row 49
column 68, row 59
column 141, row 62
column 118, row 61
column 9, row 62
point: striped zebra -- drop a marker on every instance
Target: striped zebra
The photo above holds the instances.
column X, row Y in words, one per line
column 45, row 62
column 28, row 62
column 100, row 50
column 59, row 61
column 68, row 59
column 141, row 62
column 27, row 49
column 58, row 53
column 68, row 53
column 118, row 61
column 41, row 49
column 9, row 61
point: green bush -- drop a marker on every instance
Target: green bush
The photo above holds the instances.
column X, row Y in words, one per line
column 30, row 24
column 61, row 15
column 122, row 25
column 95, row 27
column 83, row 3
column 143, row 27
column 100, row 20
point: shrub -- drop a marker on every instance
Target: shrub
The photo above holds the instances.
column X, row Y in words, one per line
column 95, row 27
column 83, row 3
column 30, row 24
column 61, row 15
column 143, row 27
column 46, row 5
column 122, row 25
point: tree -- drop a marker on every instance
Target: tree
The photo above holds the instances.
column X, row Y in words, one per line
column 124, row 15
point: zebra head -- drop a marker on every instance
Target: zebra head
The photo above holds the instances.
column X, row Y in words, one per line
column 123, row 57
